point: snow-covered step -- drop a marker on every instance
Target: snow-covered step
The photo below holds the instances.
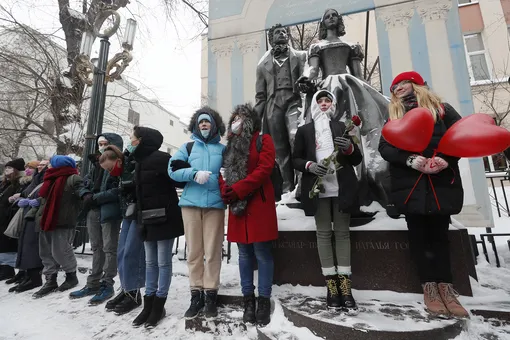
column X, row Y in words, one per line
column 374, row 320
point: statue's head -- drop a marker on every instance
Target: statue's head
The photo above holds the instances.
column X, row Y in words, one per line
column 331, row 20
column 278, row 35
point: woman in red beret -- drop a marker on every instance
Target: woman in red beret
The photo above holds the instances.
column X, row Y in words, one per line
column 427, row 189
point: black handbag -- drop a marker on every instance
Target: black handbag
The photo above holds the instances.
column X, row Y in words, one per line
column 154, row 216
column 131, row 210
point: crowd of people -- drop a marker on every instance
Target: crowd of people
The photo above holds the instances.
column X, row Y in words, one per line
column 133, row 213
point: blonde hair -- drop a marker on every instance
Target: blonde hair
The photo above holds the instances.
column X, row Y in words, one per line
column 425, row 98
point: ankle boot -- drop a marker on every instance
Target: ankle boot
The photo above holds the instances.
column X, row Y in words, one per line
column 210, row 309
column 23, row 281
column 18, row 278
column 449, row 297
column 110, row 305
column 333, row 295
column 263, row 311
column 157, row 313
column 344, row 285
column 249, row 309
column 148, row 301
column 196, row 305
column 49, row 286
column 131, row 301
column 34, row 280
column 433, row 302
column 70, row 282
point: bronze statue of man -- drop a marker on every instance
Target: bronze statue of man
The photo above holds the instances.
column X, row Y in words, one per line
column 278, row 99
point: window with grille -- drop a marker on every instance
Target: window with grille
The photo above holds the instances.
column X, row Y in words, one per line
column 476, row 57
column 133, row 117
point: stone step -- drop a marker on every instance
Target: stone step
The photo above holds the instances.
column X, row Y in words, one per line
column 374, row 320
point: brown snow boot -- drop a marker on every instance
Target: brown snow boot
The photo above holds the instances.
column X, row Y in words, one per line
column 449, row 297
column 432, row 299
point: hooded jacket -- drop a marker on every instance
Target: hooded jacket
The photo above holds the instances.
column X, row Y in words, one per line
column 206, row 154
column 307, row 148
column 104, row 187
column 154, row 189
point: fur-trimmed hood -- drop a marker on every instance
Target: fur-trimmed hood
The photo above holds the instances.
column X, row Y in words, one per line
column 220, row 125
column 251, row 120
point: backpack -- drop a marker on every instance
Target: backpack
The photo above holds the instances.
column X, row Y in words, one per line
column 276, row 175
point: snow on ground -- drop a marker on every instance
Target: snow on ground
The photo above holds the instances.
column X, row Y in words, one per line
column 57, row 317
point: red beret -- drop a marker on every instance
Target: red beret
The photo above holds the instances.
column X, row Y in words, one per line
column 413, row 77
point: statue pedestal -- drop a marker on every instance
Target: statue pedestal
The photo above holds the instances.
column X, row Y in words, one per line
column 380, row 255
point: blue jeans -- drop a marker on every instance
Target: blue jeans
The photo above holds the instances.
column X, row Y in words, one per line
column 131, row 257
column 261, row 251
column 158, row 259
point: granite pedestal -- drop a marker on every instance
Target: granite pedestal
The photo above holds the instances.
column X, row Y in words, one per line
column 380, row 258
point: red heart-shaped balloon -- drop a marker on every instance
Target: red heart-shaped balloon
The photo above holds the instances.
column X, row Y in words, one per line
column 411, row 132
column 474, row 136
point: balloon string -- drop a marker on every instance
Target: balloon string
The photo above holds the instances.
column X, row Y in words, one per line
column 434, row 192
column 431, row 184
column 414, row 187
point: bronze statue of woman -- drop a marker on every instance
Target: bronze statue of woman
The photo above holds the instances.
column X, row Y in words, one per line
column 335, row 65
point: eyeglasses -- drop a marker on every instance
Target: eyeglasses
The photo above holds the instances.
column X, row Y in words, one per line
column 397, row 86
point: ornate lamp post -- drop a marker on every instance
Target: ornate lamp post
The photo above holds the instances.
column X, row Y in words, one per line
column 105, row 71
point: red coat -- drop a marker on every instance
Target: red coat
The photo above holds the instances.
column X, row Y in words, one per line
column 259, row 222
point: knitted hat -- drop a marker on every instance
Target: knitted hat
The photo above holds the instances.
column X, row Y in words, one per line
column 59, row 161
column 412, row 76
column 204, row 116
column 323, row 94
column 18, row 164
column 32, row 164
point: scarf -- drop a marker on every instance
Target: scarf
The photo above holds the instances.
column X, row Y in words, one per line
column 280, row 50
column 235, row 161
column 52, row 190
column 410, row 102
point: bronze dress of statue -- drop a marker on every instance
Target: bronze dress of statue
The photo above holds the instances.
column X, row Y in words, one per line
column 278, row 98
column 339, row 65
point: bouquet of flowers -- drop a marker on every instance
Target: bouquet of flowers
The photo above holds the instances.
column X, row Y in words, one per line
column 318, row 187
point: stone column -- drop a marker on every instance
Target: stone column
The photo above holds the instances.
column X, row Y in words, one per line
column 250, row 48
column 434, row 14
column 396, row 19
column 222, row 50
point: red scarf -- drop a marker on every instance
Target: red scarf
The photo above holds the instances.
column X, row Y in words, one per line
column 52, row 189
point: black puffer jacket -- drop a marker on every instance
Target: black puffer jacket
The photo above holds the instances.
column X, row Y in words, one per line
column 154, row 188
column 7, row 211
column 447, row 184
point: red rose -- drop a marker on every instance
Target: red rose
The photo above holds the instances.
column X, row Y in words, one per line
column 356, row 120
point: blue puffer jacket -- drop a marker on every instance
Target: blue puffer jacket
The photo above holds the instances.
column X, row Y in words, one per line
column 204, row 156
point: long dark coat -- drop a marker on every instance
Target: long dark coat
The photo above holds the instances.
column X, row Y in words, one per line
column 447, row 183
column 28, row 243
column 155, row 189
column 7, row 211
column 304, row 151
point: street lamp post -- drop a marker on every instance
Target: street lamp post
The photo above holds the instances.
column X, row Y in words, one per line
column 102, row 74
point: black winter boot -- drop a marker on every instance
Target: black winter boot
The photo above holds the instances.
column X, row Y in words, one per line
column 49, row 286
column 249, row 309
column 34, row 281
column 148, row 301
column 17, row 278
column 263, row 311
column 158, row 312
column 197, row 303
column 6, row 273
column 131, row 301
column 344, row 285
column 333, row 299
column 110, row 305
column 23, row 281
column 210, row 309
column 70, row 282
